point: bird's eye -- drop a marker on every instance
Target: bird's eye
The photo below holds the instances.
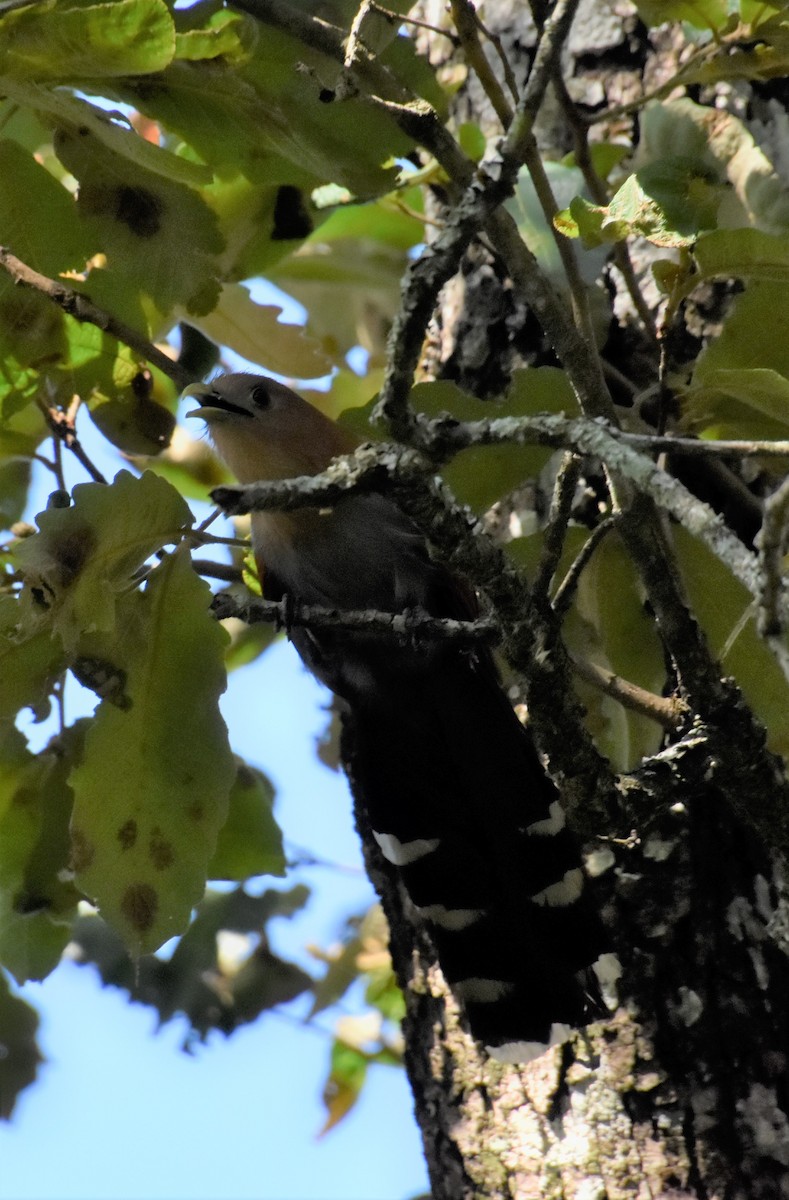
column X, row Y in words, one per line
column 260, row 396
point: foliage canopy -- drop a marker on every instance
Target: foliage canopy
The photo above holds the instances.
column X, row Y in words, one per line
column 155, row 160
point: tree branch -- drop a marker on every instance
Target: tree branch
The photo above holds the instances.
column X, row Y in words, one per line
column 379, row 467
column 670, row 712
column 411, row 625
column 82, row 309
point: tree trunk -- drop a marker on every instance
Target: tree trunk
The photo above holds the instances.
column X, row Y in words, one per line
column 682, row 1091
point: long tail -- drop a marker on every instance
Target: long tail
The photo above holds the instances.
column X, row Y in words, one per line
column 460, row 804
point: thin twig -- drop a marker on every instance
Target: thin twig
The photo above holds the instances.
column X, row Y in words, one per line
column 78, row 306
column 215, row 570
column 211, row 539
column 578, row 290
column 57, row 454
column 495, row 40
column 417, row 24
column 63, row 431
column 668, row 712
column 556, row 529
column 566, row 589
column 468, row 26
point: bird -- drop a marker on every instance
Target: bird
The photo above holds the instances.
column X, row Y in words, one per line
column 452, row 784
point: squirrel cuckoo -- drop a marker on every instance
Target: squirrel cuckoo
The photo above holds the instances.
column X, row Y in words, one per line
column 453, row 787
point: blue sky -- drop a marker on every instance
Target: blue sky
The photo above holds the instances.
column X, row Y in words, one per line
column 120, row 1113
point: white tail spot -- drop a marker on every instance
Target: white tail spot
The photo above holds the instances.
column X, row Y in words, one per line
column 400, row 854
column 482, row 991
column 450, row 918
column 566, row 891
column 552, row 824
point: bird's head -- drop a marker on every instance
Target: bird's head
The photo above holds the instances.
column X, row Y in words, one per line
column 263, row 430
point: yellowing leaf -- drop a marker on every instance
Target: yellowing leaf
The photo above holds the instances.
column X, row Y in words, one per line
column 345, row 1082
column 152, row 792
column 704, row 14
column 221, row 35
column 668, row 202
column 52, row 39
column 86, row 555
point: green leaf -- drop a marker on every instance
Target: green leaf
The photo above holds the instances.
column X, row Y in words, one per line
column 669, row 203
column 472, row 140
column 37, row 900
column 22, row 424
column 739, row 404
column 14, row 484
column 250, row 841
column 200, row 979
column 483, row 474
column 604, row 156
column 720, row 602
column 260, row 115
column 220, row 117
column 260, row 223
column 46, row 235
column 730, row 181
column 344, row 1085
column 247, row 642
column 744, row 254
column 350, row 288
column 608, row 626
column 85, row 556
column 345, row 143
column 58, row 41
column 224, row 34
column 85, row 120
column 384, row 993
column 152, row 792
column 703, row 14
column 739, row 385
column 159, row 237
column 342, row 969
column 254, row 331
column 382, row 221
column 21, row 1058
column 566, row 182
column 28, row 665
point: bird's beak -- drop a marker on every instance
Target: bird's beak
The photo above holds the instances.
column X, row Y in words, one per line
column 201, row 392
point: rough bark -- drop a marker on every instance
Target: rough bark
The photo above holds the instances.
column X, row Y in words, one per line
column 682, row 1092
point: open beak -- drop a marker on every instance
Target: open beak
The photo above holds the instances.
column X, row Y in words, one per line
column 214, row 406
column 200, row 392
